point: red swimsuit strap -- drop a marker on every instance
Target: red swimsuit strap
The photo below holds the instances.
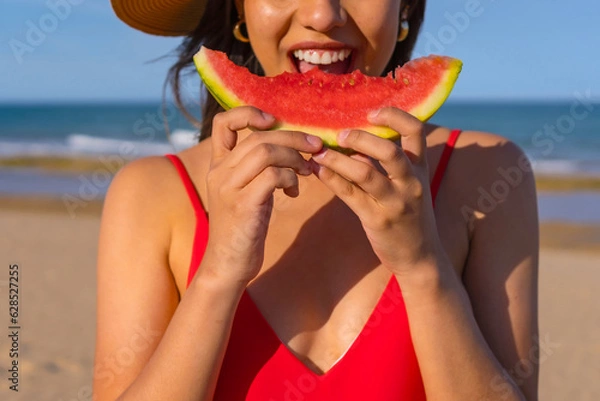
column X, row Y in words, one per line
column 187, row 182
column 201, row 233
column 441, row 168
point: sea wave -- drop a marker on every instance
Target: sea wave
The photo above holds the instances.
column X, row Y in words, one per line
column 564, row 167
column 76, row 144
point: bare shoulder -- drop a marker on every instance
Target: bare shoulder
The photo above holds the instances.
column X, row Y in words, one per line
column 484, row 145
column 492, row 179
column 153, row 185
column 145, row 186
column 147, row 174
column 490, row 161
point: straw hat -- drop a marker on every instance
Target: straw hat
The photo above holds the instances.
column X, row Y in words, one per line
column 161, row 17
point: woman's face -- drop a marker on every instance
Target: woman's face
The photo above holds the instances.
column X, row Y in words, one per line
column 338, row 36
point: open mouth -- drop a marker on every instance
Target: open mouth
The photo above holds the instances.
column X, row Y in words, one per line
column 333, row 61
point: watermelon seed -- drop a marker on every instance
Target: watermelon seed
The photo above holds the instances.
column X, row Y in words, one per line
column 351, row 81
column 405, row 80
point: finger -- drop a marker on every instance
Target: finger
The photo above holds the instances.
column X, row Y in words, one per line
column 271, row 178
column 299, row 141
column 364, row 175
column 387, row 153
column 226, row 125
column 370, row 161
column 409, row 128
column 266, row 155
column 351, row 194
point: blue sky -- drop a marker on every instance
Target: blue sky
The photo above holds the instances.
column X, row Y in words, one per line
column 511, row 49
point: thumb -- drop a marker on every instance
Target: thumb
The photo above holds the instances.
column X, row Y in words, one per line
column 410, row 130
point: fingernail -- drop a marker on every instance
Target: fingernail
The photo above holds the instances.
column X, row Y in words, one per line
column 319, row 155
column 343, row 135
column 373, row 114
column 267, row 116
column 313, row 140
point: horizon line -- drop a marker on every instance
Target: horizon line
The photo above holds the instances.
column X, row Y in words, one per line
column 107, row 101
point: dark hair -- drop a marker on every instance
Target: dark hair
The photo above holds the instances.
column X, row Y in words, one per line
column 215, row 31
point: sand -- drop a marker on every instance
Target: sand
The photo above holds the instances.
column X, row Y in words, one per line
column 56, row 256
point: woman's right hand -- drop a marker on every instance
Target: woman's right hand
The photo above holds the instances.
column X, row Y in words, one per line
column 240, row 184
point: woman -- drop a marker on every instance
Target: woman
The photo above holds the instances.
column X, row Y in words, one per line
column 359, row 280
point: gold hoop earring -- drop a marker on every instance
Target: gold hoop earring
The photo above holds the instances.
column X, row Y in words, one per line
column 404, row 28
column 237, row 32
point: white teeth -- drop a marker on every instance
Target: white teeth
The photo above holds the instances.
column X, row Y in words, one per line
column 322, row 56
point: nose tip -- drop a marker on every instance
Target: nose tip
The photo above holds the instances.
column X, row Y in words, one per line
column 322, row 15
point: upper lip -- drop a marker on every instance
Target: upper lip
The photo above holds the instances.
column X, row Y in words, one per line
column 318, row 45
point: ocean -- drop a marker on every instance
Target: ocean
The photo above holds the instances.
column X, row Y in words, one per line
column 560, row 138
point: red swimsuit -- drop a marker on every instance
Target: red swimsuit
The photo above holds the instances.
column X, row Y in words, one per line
column 380, row 365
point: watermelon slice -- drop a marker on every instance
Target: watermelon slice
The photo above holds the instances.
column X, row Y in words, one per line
column 324, row 104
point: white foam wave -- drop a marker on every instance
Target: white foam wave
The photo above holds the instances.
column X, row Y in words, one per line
column 85, row 144
column 566, row 167
column 14, row 148
column 82, row 144
column 183, row 139
column 180, row 139
column 555, row 167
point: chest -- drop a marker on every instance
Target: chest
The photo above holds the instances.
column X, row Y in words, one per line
column 379, row 364
column 321, row 282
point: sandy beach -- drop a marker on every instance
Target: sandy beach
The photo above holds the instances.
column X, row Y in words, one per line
column 56, row 255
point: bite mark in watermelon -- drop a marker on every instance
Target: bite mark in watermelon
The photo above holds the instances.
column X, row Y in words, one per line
column 324, row 104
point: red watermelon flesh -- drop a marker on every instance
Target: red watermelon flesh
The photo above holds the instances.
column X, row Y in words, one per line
column 323, row 104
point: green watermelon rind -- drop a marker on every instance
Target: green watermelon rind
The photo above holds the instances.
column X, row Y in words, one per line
column 329, row 136
column 424, row 111
column 213, row 82
column 434, row 101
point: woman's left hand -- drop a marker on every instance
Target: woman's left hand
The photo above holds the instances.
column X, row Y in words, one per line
column 387, row 186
